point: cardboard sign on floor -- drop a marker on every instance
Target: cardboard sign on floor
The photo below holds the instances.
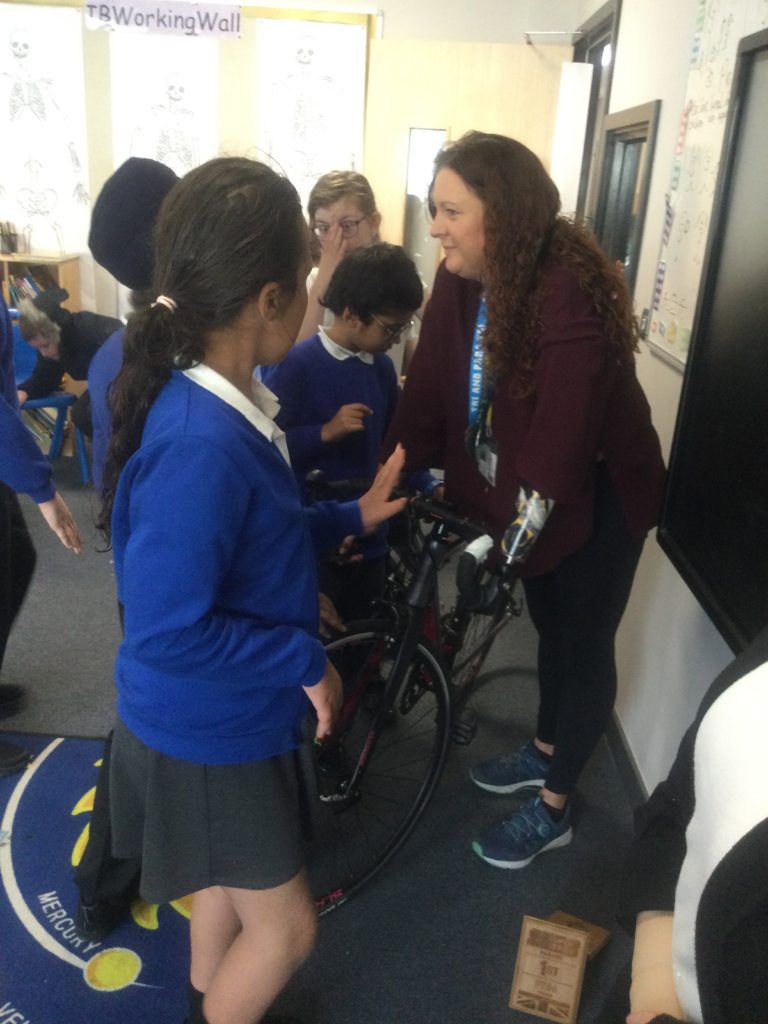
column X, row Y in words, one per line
column 549, row 970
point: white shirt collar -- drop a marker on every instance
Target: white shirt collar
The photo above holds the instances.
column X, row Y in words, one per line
column 260, row 411
column 338, row 352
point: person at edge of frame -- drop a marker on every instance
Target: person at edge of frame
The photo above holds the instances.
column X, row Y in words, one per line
column 23, row 469
column 694, row 890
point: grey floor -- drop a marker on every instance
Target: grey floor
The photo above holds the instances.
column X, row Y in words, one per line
column 435, row 937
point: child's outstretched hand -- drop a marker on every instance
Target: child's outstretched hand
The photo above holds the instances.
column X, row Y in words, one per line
column 376, row 505
column 349, row 419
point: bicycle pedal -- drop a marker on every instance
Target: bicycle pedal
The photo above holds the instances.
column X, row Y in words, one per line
column 464, row 729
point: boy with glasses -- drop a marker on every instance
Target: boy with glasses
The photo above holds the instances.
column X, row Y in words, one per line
column 338, row 391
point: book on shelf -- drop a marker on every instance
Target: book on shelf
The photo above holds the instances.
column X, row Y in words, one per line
column 22, row 286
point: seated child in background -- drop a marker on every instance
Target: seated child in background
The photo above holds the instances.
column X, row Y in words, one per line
column 66, row 343
column 338, row 391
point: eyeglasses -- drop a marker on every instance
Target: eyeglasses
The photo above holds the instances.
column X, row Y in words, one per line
column 392, row 330
column 348, row 227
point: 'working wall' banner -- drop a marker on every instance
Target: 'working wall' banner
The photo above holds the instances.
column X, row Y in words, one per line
column 187, row 19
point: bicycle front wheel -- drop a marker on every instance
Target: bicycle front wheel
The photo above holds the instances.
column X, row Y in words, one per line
column 469, row 638
column 359, row 825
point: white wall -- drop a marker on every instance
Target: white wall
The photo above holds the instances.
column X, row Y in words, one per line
column 668, row 650
column 486, row 21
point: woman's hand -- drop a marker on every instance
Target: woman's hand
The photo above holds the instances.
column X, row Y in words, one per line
column 326, row 697
column 375, row 505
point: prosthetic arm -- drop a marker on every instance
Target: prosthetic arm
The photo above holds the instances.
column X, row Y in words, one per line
column 532, row 513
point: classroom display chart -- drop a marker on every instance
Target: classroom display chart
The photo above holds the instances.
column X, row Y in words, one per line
column 310, row 84
column 44, row 158
column 164, row 98
column 720, row 25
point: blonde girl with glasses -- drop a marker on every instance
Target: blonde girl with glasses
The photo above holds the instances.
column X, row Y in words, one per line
column 342, row 217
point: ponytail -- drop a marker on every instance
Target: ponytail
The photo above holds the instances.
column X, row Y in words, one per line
column 156, row 341
column 223, row 232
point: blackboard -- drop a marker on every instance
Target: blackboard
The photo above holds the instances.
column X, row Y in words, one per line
column 715, row 519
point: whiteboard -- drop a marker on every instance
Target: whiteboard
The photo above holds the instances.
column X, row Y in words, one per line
column 720, row 24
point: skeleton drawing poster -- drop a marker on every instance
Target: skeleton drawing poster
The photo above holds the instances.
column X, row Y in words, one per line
column 43, row 159
column 310, row 84
column 164, row 99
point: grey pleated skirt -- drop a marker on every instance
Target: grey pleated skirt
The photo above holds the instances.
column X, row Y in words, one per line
column 193, row 826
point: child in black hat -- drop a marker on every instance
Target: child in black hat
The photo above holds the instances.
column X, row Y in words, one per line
column 120, row 240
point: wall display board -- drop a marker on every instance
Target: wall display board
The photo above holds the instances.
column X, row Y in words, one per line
column 43, row 158
column 714, row 523
column 168, row 111
column 720, row 24
column 310, row 84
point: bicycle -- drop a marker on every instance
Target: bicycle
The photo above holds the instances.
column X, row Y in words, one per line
column 405, row 672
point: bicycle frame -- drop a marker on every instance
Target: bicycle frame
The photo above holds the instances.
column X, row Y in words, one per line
column 377, row 771
column 422, row 622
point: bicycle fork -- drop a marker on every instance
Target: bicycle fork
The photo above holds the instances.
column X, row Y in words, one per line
column 404, row 645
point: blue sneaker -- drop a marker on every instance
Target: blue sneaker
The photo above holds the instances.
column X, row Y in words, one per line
column 529, row 832
column 526, row 768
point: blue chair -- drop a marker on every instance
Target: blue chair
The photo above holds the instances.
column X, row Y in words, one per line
column 24, row 358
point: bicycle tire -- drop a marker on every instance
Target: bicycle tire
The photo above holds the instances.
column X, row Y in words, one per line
column 474, row 634
column 353, row 841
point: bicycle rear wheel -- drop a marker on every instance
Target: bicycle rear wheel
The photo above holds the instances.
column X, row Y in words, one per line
column 358, row 829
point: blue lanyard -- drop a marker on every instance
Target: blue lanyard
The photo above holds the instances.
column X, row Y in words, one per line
column 476, row 368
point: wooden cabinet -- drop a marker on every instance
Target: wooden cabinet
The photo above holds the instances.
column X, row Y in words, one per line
column 45, row 271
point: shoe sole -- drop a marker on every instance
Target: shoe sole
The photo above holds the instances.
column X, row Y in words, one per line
column 515, row 865
column 512, row 788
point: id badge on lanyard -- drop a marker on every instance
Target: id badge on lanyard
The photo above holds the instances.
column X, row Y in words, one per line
column 479, row 440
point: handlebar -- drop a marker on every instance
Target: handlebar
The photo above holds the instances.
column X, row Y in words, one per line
column 478, row 596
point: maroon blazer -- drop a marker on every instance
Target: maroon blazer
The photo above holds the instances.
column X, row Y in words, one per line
column 585, row 407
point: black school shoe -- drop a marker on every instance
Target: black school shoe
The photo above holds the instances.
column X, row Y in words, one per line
column 12, row 758
column 95, row 920
column 11, row 699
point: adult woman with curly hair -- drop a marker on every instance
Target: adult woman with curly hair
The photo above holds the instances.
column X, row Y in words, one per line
column 523, row 389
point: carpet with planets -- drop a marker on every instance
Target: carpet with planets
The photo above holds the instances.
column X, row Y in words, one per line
column 48, row 975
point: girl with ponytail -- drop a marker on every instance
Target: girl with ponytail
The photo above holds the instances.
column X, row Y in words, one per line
column 221, row 657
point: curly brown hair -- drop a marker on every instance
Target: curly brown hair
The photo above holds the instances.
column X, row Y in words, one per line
column 524, row 230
